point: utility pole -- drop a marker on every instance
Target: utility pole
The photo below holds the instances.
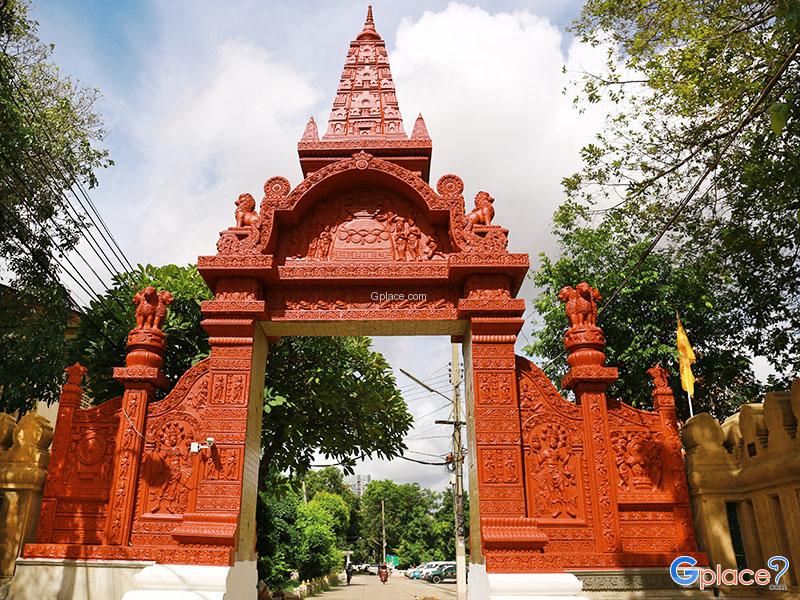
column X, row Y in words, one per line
column 458, row 492
column 458, row 472
column 383, row 532
column 458, row 462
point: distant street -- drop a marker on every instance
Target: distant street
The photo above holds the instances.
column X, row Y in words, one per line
column 369, row 587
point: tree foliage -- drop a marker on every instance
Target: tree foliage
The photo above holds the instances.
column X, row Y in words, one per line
column 419, row 523
column 333, row 396
column 692, row 83
column 43, row 115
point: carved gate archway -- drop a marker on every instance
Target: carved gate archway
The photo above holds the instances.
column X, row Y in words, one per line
column 364, row 245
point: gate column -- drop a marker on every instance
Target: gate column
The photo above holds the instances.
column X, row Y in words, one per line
column 504, row 540
column 239, row 353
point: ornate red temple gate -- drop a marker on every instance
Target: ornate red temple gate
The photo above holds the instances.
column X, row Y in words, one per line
column 363, row 245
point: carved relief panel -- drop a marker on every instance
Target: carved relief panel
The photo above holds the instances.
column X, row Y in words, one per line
column 364, row 225
column 556, row 468
column 88, row 469
column 176, row 481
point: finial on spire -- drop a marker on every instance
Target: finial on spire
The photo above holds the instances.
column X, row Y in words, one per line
column 311, row 134
column 369, row 31
column 420, row 131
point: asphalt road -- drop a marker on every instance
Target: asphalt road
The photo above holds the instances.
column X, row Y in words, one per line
column 399, row 587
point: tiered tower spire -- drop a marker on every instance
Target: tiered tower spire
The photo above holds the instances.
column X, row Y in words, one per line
column 365, row 114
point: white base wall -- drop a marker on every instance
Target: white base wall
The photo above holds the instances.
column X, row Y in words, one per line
column 53, row 579
column 522, row 586
column 196, row 582
column 57, row 579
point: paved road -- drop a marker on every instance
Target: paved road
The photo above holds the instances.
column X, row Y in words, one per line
column 399, row 587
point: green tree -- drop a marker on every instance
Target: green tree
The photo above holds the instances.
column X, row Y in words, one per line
column 330, row 479
column 43, row 115
column 335, row 506
column 640, row 327
column 317, row 553
column 697, row 85
column 409, row 520
column 331, row 395
column 278, row 537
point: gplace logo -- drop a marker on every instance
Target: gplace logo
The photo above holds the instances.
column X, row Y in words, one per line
column 684, row 572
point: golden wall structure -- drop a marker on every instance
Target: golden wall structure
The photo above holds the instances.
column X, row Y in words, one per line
column 23, row 467
column 744, row 481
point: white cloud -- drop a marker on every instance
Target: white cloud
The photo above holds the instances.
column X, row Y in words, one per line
column 208, row 137
column 489, row 87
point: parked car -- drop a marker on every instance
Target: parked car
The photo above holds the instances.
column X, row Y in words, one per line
column 431, row 566
column 414, row 573
column 446, row 572
column 373, row 569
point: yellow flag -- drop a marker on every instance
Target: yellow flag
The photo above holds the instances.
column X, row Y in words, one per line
column 686, row 358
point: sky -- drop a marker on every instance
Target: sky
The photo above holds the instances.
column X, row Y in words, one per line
column 204, row 100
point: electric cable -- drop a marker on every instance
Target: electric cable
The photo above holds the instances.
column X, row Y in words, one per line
column 13, row 73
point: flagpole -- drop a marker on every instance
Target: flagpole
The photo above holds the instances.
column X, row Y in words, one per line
column 691, row 412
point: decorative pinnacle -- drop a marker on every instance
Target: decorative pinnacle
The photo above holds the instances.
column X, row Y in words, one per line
column 420, row 132
column 369, row 31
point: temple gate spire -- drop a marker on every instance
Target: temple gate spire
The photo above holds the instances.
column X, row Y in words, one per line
column 365, row 113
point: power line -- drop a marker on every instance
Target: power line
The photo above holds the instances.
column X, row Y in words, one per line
column 116, row 251
column 90, row 291
column 424, row 462
column 433, row 411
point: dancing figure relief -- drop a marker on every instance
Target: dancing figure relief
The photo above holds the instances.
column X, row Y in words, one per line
column 170, row 471
column 555, row 478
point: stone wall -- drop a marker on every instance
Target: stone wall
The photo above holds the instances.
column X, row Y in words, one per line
column 23, row 467
column 744, row 481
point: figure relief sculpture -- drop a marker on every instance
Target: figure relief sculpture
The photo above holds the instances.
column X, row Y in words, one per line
column 151, row 307
column 170, row 470
column 581, row 306
column 555, row 478
column 483, row 213
column 499, row 466
column 638, row 458
column 246, row 210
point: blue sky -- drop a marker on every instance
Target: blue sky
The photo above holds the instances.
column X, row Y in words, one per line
column 205, row 100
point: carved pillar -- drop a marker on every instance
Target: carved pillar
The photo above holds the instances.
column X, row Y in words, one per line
column 140, row 376
column 238, row 360
column 69, row 401
column 664, row 403
column 505, row 528
column 589, row 379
